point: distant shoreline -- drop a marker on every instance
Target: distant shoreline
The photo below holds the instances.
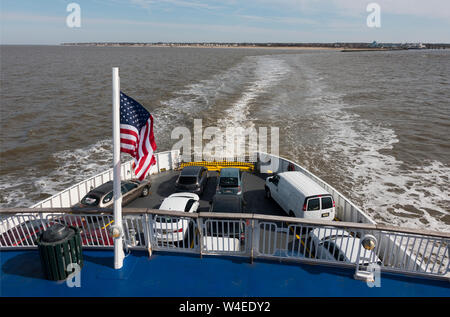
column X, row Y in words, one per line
column 249, row 47
column 347, row 47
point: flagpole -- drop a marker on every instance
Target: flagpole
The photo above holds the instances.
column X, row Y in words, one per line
column 117, row 230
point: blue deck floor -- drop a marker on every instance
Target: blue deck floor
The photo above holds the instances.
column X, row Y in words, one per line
column 174, row 275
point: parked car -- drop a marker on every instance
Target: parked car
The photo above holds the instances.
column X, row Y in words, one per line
column 299, row 196
column 229, row 181
column 168, row 229
column 338, row 244
column 192, row 179
column 102, row 196
column 223, row 203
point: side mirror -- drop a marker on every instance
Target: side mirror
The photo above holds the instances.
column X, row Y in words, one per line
column 271, row 180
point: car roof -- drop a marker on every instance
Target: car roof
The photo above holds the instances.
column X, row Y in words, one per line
column 324, row 233
column 107, row 187
column 229, row 172
column 177, row 203
column 103, row 189
column 304, row 183
column 186, row 195
column 227, row 203
column 191, row 170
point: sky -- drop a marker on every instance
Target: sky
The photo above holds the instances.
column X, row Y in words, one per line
column 260, row 21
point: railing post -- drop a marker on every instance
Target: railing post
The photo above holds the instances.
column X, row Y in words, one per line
column 252, row 240
column 147, row 236
column 200, row 235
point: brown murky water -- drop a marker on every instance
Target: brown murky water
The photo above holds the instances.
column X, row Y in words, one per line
column 375, row 125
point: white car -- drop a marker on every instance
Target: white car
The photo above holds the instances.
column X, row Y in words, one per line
column 221, row 244
column 169, row 229
column 338, row 244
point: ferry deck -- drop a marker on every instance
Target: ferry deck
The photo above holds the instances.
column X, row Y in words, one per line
column 178, row 274
column 163, row 185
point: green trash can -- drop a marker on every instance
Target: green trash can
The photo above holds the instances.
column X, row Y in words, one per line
column 58, row 247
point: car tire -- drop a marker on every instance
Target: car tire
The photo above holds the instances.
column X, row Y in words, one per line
column 268, row 195
column 145, row 191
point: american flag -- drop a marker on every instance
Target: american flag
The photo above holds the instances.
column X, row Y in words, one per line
column 136, row 135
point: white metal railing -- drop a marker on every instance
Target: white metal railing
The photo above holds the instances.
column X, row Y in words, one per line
column 75, row 193
column 248, row 235
column 164, row 161
column 172, row 233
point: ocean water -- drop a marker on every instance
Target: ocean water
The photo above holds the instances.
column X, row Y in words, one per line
column 374, row 125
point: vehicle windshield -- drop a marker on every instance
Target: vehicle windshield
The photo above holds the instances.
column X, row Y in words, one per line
column 187, row 180
column 90, row 200
column 189, row 205
column 228, row 182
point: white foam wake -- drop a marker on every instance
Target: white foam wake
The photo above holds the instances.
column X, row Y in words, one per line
column 391, row 191
column 73, row 167
column 268, row 71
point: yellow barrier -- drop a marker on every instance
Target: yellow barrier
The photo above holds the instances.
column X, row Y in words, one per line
column 217, row 166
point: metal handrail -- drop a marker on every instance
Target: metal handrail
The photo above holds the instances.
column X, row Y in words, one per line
column 282, row 241
column 303, row 221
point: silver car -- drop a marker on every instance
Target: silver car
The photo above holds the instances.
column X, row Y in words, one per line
column 102, row 196
column 339, row 245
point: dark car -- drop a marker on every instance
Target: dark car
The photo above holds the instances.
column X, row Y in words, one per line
column 192, row 179
column 102, row 196
column 229, row 181
column 232, row 228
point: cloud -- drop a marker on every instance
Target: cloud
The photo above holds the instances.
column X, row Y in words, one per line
column 147, row 4
column 25, row 17
column 283, row 20
column 419, row 8
column 233, row 20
